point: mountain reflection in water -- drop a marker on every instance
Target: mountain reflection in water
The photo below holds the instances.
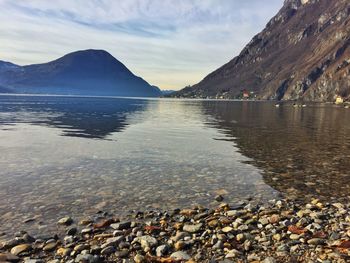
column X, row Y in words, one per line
column 303, row 151
column 74, row 116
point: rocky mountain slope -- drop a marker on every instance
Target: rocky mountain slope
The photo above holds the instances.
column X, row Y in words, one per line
column 303, row 53
column 88, row 72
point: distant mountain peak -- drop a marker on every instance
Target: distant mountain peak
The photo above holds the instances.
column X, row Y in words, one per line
column 92, row 53
column 7, row 65
column 83, row 72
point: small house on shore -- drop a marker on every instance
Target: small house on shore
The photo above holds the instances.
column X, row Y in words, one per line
column 245, row 94
column 339, row 100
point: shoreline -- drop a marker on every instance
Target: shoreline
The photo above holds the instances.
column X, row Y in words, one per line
column 281, row 230
column 345, row 103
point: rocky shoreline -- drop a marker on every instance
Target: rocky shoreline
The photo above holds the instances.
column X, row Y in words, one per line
column 279, row 231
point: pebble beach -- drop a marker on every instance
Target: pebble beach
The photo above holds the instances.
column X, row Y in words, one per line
column 277, row 231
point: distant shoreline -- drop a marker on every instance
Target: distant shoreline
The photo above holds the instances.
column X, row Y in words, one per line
column 155, row 98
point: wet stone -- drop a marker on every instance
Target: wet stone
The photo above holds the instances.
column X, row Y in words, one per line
column 139, row 258
column 122, row 253
column 86, row 231
column 31, row 260
column 8, row 257
column 50, row 246
column 192, row 228
column 63, row 251
column 227, row 229
column 146, row 242
column 121, row 225
column 113, row 241
column 179, row 236
column 81, row 247
column 316, row 241
column 19, row 249
column 219, row 198
column 72, row 231
column 180, row 255
column 269, row 260
column 65, row 221
column 88, row 258
column 162, row 250
column 108, row 250
column 201, row 215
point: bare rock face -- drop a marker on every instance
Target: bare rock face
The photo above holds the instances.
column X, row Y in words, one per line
column 303, row 53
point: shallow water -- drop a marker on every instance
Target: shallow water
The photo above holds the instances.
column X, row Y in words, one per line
column 76, row 156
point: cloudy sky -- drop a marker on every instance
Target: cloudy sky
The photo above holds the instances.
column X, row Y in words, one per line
column 170, row 43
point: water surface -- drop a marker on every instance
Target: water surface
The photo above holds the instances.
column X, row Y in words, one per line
column 76, row 156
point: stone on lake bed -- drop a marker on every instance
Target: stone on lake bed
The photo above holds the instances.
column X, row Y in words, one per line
column 180, row 255
column 28, row 238
column 201, row 215
column 338, row 205
column 213, row 223
column 88, row 258
column 232, row 254
column 113, row 241
column 10, row 243
column 65, row 221
column 146, row 241
column 231, row 213
column 294, row 236
column 122, row 253
column 68, row 240
column 179, row 235
column 179, row 245
column 316, row 241
column 28, row 220
column 108, row 250
column 32, row 260
column 19, row 249
column 192, row 228
column 274, row 219
column 188, row 212
column 81, row 247
column 72, row 231
column 219, row 198
column 264, row 221
column 269, row 260
column 50, row 246
column 63, row 251
column 121, row 225
column 139, row 258
column 162, row 250
column 85, row 222
column 240, row 237
column 7, row 257
column 227, row 229
column 86, row 231
column 104, row 223
column 277, row 237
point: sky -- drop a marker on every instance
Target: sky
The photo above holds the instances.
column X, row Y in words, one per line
column 169, row 43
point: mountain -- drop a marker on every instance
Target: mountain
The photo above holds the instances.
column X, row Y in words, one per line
column 303, row 53
column 4, row 65
column 167, row 92
column 87, row 72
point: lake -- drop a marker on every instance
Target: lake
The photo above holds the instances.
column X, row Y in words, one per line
column 80, row 155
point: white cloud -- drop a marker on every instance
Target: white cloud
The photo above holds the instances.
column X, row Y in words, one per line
column 169, row 43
